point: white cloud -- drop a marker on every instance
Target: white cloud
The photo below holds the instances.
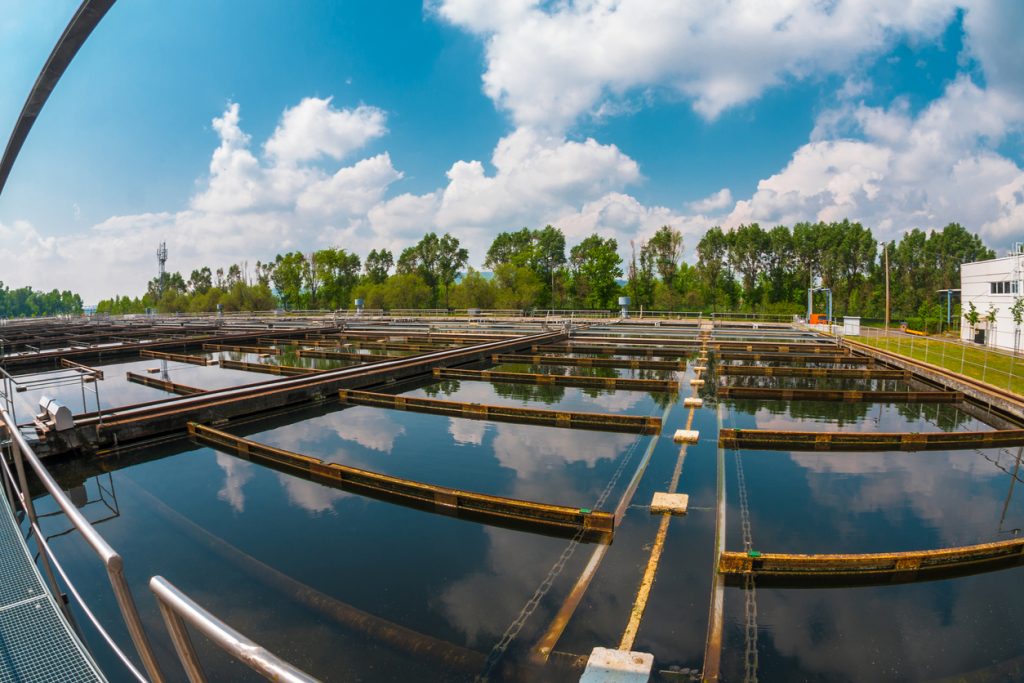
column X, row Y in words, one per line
column 549, row 63
column 535, row 173
column 893, row 171
column 713, row 202
column 237, row 474
column 467, row 431
column 313, row 129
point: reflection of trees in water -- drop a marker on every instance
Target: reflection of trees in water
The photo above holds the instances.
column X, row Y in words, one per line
column 446, row 387
column 947, row 416
column 546, row 393
column 660, row 398
column 831, row 383
column 837, row 411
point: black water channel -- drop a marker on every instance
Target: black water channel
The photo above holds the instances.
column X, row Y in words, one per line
column 352, row 588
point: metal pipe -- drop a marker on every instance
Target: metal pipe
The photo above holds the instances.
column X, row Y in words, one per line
column 178, row 609
column 110, row 558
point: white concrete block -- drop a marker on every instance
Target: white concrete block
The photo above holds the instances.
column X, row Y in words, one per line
column 686, row 436
column 692, row 402
column 617, row 666
column 676, row 503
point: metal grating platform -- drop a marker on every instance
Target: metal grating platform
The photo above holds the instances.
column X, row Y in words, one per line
column 36, row 642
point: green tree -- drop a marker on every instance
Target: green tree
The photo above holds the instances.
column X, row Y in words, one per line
column 516, row 248
column 747, row 246
column 451, row 258
column 712, row 251
column 665, row 252
column 1017, row 313
column 473, row 291
column 972, row 316
column 288, row 277
column 337, row 271
column 517, row 287
column 378, row 263
column 595, row 267
column 200, row 281
column 640, row 278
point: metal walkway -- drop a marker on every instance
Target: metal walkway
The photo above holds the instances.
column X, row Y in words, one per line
column 36, row 641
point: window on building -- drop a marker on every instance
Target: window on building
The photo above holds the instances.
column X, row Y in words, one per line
column 1005, row 287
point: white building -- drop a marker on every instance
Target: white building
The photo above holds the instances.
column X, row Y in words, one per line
column 994, row 283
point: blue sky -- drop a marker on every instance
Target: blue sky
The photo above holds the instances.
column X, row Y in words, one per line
column 235, row 130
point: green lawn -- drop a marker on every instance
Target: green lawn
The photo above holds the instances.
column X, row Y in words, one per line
column 998, row 369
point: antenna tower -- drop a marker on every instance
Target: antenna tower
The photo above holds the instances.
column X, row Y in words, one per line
column 161, row 257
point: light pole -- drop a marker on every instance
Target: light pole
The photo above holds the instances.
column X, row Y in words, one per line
column 885, row 251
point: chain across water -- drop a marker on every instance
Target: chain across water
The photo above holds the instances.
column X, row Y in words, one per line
column 749, row 589
column 510, row 634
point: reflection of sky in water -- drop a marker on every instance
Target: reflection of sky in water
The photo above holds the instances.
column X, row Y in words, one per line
column 452, row 579
column 546, row 464
column 911, row 632
column 876, row 502
column 115, row 389
column 465, row 582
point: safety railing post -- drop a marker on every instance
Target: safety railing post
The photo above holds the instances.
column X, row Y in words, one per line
column 179, row 611
column 30, row 508
column 182, row 643
column 111, row 560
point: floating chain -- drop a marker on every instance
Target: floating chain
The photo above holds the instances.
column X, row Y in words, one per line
column 499, row 649
column 749, row 589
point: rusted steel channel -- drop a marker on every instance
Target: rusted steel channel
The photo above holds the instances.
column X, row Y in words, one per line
column 646, row 351
column 591, row 362
column 559, row 519
column 268, row 369
column 132, row 423
column 385, row 334
column 176, row 357
column 559, row 380
column 633, row 424
column 771, row 393
column 838, row 373
column 260, row 350
column 906, row 566
column 765, row 439
column 662, row 347
column 344, row 355
column 24, row 362
column 166, row 385
column 837, row 358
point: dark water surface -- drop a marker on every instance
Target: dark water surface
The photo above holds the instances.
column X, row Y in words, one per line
column 351, row 588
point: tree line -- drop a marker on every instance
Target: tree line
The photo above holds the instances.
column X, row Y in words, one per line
column 25, row 302
column 749, row 268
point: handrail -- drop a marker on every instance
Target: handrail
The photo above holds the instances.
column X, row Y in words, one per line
column 178, row 610
column 22, row 452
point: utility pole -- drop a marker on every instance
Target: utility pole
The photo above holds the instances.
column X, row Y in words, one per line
column 885, row 249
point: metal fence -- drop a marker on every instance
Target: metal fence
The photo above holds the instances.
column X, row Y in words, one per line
column 999, row 367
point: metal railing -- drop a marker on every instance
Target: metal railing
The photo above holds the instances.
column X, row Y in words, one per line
column 178, row 611
column 998, row 367
column 21, row 453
